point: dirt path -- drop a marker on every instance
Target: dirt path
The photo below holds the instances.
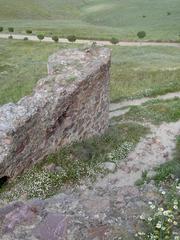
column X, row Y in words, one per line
column 81, row 41
column 120, row 108
column 152, row 151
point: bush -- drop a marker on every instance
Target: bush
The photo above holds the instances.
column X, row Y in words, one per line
column 11, row 29
column 168, row 13
column 40, row 37
column 114, row 40
column 71, row 38
column 1, row 29
column 28, row 31
column 55, row 38
column 25, row 38
column 141, row 34
column 10, row 37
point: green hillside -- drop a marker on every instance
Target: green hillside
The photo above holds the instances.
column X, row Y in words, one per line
column 95, row 18
column 135, row 72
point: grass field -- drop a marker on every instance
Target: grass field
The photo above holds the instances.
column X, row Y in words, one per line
column 21, row 66
column 144, row 71
column 135, row 71
column 99, row 19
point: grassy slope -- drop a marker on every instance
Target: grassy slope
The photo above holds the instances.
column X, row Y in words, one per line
column 21, row 65
column 135, row 71
column 95, row 18
column 145, row 71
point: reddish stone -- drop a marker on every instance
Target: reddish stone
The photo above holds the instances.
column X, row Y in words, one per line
column 20, row 215
column 54, row 227
column 98, row 232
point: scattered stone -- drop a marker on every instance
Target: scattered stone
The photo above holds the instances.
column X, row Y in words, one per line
column 126, row 169
column 109, row 166
column 50, row 168
column 157, row 141
column 151, row 174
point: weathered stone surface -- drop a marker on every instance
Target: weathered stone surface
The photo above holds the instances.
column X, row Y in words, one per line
column 105, row 213
column 15, row 214
column 70, row 104
column 54, row 227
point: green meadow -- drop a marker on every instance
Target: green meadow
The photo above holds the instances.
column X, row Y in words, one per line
column 135, row 71
column 97, row 19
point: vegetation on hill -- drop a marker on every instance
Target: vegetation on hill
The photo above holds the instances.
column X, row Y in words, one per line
column 135, row 72
column 94, row 19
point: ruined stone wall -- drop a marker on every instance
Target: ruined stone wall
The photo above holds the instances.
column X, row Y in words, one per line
column 70, row 104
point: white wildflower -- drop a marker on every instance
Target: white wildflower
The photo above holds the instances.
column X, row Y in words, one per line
column 142, row 217
column 160, row 209
column 169, row 220
column 149, row 219
column 175, row 207
column 141, row 233
column 152, row 206
column 158, row 225
column 167, row 213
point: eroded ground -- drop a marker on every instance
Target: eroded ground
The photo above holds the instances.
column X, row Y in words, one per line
column 123, row 178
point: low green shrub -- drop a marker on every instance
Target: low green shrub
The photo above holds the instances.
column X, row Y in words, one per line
column 141, row 34
column 40, row 37
column 28, row 31
column 71, row 38
column 11, row 29
column 114, row 40
column 55, row 38
column 1, row 29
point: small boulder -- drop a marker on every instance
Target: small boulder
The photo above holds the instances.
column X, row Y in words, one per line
column 50, row 168
column 109, row 166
